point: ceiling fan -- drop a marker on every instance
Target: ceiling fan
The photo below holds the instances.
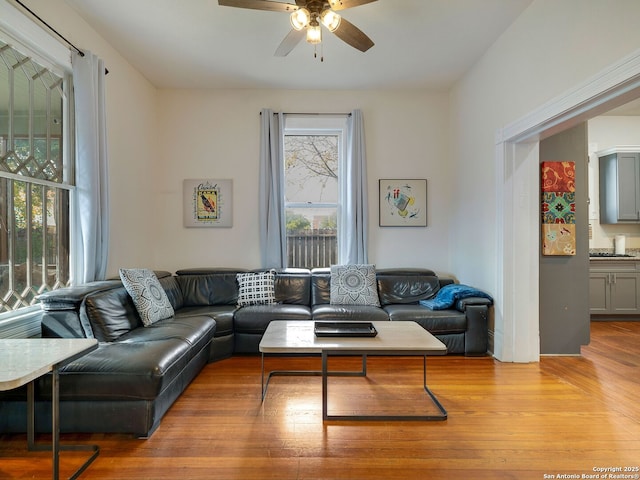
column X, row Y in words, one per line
column 307, row 16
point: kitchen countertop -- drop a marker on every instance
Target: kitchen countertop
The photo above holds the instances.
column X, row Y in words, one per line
column 634, row 255
column 617, row 259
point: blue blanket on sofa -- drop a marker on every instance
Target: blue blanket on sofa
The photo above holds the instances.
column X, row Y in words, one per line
column 448, row 295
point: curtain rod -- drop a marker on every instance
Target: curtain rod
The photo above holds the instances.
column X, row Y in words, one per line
column 80, row 52
column 312, row 114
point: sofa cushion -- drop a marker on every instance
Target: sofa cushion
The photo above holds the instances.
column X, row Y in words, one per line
column 148, row 296
column 352, row 313
column 222, row 314
column 196, row 331
column 173, row 291
column 140, row 365
column 201, row 287
column 256, row 288
column 354, row 285
column 320, row 286
column 293, row 286
column 109, row 314
column 255, row 318
column 120, row 371
column 406, row 285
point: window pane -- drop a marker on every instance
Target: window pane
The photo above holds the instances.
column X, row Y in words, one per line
column 317, row 218
column 31, row 105
column 311, row 237
column 34, row 233
column 311, row 168
column 311, row 199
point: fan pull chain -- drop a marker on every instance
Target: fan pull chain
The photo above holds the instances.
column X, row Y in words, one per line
column 315, row 52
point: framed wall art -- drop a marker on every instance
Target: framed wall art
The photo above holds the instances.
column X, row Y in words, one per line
column 403, row 203
column 207, row 203
column 558, row 208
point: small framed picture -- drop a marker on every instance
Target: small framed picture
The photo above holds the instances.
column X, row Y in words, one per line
column 207, row 203
column 403, row 202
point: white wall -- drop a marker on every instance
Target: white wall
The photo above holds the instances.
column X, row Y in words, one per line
column 133, row 146
column 215, row 134
column 159, row 138
column 552, row 47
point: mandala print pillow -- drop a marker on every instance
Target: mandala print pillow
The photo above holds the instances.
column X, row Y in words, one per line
column 256, row 288
column 147, row 294
column 354, row 285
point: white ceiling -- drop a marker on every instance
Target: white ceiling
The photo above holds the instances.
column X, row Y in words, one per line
column 199, row 44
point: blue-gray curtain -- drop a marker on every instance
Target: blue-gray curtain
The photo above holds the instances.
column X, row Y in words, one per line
column 91, row 236
column 273, row 240
column 353, row 217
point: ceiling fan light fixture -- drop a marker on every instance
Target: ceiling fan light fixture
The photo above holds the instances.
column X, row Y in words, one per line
column 300, row 18
column 330, row 19
column 314, row 34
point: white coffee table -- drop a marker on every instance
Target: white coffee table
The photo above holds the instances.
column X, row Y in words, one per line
column 394, row 339
column 22, row 361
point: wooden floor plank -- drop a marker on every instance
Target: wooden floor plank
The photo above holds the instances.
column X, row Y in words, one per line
column 561, row 416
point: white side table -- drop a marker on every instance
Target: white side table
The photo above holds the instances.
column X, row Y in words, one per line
column 22, row 361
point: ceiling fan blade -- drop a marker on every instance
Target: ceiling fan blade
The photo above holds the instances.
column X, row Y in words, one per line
column 289, row 43
column 259, row 5
column 349, row 33
column 343, row 4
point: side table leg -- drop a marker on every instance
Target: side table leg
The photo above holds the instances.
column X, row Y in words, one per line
column 55, row 446
column 31, row 416
column 324, row 383
column 262, row 389
column 55, row 421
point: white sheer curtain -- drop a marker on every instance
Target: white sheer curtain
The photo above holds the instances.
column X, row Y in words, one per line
column 353, row 218
column 91, row 235
column 273, row 240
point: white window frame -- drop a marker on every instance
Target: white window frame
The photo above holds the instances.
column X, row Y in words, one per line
column 30, row 39
column 322, row 125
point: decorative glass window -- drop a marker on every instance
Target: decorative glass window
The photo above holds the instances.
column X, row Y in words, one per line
column 34, row 180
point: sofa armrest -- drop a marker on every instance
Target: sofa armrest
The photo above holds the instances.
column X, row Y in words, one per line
column 462, row 304
column 476, row 338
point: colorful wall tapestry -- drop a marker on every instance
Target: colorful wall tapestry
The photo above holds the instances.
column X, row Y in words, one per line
column 558, row 208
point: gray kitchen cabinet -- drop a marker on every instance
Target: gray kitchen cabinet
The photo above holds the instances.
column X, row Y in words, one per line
column 614, row 288
column 620, row 187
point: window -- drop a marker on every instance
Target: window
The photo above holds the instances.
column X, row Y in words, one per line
column 34, row 180
column 313, row 149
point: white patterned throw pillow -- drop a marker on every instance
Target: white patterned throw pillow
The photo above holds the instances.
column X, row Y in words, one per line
column 147, row 294
column 354, row 285
column 256, row 288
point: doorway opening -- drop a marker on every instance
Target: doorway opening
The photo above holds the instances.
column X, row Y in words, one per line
column 517, row 317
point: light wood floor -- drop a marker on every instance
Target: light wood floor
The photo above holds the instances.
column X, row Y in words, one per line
column 562, row 416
